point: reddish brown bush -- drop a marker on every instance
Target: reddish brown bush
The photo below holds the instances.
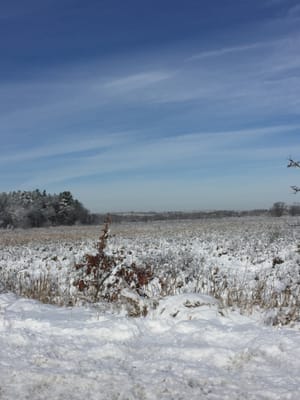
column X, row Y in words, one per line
column 104, row 276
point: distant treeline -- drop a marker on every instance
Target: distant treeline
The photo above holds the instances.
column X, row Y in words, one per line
column 278, row 209
column 27, row 209
column 176, row 215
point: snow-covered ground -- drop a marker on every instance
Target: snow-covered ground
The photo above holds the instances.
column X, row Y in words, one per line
column 189, row 346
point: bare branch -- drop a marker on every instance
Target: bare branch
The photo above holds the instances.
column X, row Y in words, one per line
column 296, row 189
column 293, row 163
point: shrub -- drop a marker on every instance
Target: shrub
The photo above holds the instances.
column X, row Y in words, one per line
column 104, row 276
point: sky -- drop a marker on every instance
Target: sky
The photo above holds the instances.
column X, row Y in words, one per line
column 151, row 105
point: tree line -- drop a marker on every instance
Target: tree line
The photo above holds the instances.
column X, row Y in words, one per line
column 280, row 208
column 27, row 209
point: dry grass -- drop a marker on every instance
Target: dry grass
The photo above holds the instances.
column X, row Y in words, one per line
column 167, row 263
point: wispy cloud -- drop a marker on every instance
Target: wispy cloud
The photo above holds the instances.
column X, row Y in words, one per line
column 41, row 103
column 294, row 11
column 254, row 81
column 137, row 81
column 69, row 145
column 195, row 150
column 227, row 50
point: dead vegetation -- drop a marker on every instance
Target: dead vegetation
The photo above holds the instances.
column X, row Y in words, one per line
column 136, row 268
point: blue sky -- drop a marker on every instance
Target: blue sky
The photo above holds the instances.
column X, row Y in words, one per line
column 151, row 105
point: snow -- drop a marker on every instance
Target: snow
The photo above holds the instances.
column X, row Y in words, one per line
column 207, row 256
column 190, row 345
column 187, row 348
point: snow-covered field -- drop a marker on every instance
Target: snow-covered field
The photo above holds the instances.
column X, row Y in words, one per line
column 243, row 345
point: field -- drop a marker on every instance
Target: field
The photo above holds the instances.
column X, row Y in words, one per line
column 163, row 310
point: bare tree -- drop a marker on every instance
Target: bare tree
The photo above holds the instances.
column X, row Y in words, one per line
column 294, row 209
column 278, row 209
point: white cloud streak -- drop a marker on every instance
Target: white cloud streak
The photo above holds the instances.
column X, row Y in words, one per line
column 256, row 81
column 228, row 50
column 294, row 12
column 69, row 145
column 184, row 151
column 137, row 81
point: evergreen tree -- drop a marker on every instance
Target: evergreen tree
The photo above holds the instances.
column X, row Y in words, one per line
column 34, row 209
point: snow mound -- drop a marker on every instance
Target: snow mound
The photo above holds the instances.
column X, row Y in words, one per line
column 188, row 306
